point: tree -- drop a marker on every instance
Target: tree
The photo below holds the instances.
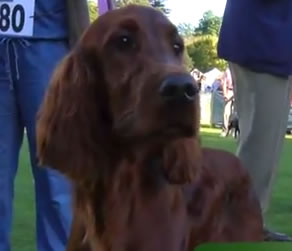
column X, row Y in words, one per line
column 209, row 24
column 159, row 4
column 203, row 51
column 186, row 30
column 122, row 3
column 93, row 10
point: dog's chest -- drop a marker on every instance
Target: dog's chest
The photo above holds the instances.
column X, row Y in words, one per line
column 149, row 223
column 162, row 224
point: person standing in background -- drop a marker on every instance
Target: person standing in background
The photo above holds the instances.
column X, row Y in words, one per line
column 34, row 36
column 256, row 39
column 227, row 87
column 217, row 85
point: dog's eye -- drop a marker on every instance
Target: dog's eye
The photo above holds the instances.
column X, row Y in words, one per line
column 178, row 48
column 125, row 43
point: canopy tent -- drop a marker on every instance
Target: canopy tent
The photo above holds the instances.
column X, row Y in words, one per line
column 211, row 77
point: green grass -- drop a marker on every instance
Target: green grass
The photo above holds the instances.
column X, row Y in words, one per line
column 23, row 237
column 279, row 216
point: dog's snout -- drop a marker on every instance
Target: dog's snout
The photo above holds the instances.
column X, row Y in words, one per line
column 178, row 88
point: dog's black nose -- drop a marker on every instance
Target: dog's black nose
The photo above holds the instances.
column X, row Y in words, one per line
column 178, row 87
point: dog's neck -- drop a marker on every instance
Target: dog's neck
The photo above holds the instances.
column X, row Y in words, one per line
column 179, row 159
column 148, row 174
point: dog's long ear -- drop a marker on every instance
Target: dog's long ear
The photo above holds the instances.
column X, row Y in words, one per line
column 73, row 121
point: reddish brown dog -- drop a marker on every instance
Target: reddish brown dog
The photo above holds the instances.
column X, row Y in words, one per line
column 121, row 120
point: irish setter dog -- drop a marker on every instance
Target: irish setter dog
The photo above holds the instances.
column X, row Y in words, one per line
column 121, row 120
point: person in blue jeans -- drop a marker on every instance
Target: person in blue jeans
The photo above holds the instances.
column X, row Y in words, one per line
column 34, row 37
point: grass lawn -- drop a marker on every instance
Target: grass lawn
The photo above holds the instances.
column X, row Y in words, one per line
column 279, row 216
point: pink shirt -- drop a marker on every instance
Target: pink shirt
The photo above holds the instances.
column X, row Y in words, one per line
column 227, row 84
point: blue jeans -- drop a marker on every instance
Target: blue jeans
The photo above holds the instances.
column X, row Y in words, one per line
column 25, row 70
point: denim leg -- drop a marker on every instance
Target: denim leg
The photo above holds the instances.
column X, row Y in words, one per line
column 11, row 134
column 52, row 190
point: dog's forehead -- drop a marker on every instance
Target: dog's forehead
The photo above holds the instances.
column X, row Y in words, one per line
column 146, row 19
column 141, row 15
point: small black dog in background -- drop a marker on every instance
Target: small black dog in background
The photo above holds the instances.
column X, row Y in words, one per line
column 233, row 124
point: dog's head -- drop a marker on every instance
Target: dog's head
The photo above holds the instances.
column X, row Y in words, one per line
column 139, row 56
column 125, row 83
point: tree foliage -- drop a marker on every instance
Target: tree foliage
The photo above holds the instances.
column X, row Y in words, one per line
column 186, row 30
column 160, row 5
column 203, row 51
column 123, row 3
column 209, row 24
column 93, row 10
column 201, row 42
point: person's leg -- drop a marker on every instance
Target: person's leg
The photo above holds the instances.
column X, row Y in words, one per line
column 53, row 191
column 263, row 103
column 11, row 133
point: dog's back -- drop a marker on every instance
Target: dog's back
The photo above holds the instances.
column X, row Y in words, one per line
column 224, row 206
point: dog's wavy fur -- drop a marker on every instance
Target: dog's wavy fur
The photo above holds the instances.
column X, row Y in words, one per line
column 141, row 179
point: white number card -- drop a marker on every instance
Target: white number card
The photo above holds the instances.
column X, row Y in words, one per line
column 16, row 17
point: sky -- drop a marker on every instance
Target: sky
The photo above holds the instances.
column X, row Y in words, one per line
column 191, row 11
